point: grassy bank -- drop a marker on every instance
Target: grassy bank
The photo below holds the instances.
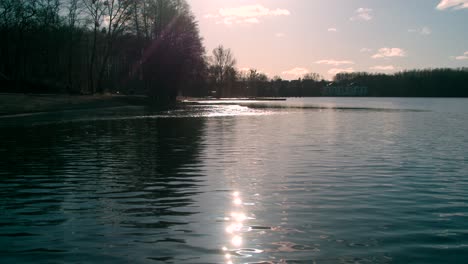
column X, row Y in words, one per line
column 11, row 104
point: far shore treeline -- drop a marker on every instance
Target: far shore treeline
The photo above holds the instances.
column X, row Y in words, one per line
column 154, row 47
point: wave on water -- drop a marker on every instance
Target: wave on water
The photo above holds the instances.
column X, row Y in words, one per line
column 192, row 109
column 125, row 113
column 285, row 105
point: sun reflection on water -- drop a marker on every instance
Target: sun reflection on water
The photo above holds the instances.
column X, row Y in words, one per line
column 236, row 228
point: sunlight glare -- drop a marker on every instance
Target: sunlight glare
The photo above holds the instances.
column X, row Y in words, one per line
column 234, row 228
column 239, row 217
column 237, row 201
column 236, row 241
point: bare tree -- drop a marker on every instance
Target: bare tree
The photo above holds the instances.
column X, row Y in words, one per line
column 255, row 80
column 312, row 76
column 95, row 10
column 48, row 13
column 256, row 76
column 73, row 10
column 277, row 78
column 89, row 45
column 117, row 14
column 222, row 64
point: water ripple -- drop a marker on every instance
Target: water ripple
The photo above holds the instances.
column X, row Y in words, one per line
column 325, row 182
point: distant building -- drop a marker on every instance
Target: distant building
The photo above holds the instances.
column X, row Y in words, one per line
column 344, row 90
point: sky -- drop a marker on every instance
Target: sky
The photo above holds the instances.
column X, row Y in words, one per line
column 289, row 38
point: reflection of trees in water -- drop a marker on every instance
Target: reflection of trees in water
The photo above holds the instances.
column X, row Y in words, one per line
column 100, row 175
column 143, row 167
column 29, row 168
column 157, row 161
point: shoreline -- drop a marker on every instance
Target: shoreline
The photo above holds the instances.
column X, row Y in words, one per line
column 12, row 104
column 16, row 104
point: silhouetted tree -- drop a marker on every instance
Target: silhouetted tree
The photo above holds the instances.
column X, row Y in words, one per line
column 256, row 83
column 95, row 12
column 93, row 46
column 174, row 56
column 276, row 78
column 312, row 76
column 222, row 71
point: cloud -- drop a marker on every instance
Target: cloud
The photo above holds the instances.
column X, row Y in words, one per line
column 423, row 31
column 362, row 14
column 335, row 62
column 252, row 20
column 365, row 50
column 245, row 14
column 335, row 71
column 210, row 16
column 462, row 57
column 297, row 72
column 332, row 30
column 383, row 68
column 389, row 52
column 455, row 4
column 280, row 35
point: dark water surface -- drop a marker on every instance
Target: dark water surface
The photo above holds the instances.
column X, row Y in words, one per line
column 326, row 180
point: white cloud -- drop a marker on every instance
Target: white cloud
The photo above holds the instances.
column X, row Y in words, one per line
column 210, row 16
column 296, row 72
column 362, row 14
column 455, row 4
column 389, row 52
column 335, row 62
column 423, row 31
column 280, row 35
column 332, row 30
column 383, row 68
column 365, row 50
column 252, row 11
column 462, row 57
column 246, row 14
column 252, row 20
column 335, row 71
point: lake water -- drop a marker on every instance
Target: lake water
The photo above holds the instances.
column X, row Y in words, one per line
column 323, row 180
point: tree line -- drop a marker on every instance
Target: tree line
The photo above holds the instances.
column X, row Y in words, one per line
column 154, row 47
column 97, row 46
column 225, row 80
column 412, row 83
